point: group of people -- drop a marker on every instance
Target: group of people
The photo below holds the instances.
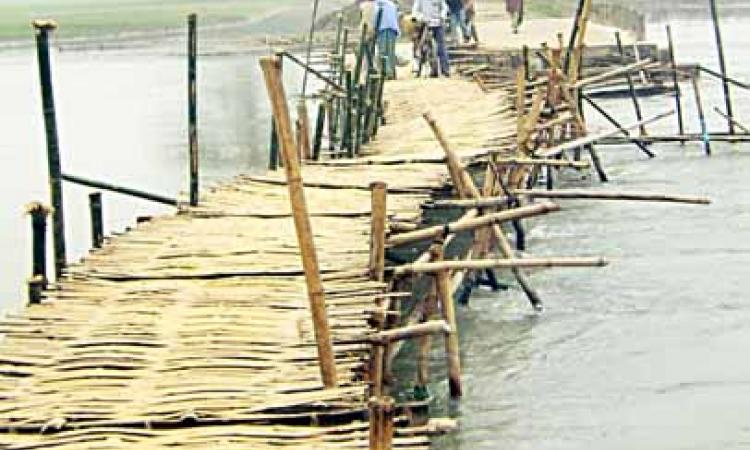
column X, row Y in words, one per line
column 426, row 16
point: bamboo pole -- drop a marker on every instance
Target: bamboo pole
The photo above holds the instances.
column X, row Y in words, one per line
column 706, row 137
column 736, row 122
column 445, row 296
column 471, row 224
column 617, row 72
column 722, row 64
column 97, row 221
column 675, row 83
column 389, row 412
column 376, row 423
column 272, row 74
column 465, row 180
column 425, row 342
column 43, row 29
column 730, row 80
column 554, row 151
column 311, row 34
column 377, row 230
column 193, row 108
column 483, row 264
column 273, row 158
column 428, row 328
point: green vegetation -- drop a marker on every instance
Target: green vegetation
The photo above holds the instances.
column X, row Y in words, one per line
column 79, row 18
column 550, row 8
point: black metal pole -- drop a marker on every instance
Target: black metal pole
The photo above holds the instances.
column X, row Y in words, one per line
column 119, row 189
column 617, row 125
column 722, row 64
column 43, row 28
column 631, row 86
column 273, row 159
column 193, row 107
column 38, row 281
column 675, row 82
column 97, row 221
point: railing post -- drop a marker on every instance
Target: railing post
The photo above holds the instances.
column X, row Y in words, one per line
column 193, row 107
column 319, row 126
column 272, row 73
column 377, row 230
column 722, row 65
column 445, row 294
column 97, row 221
column 38, row 281
column 43, row 28
column 676, row 84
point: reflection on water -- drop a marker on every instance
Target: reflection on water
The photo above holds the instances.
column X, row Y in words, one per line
column 122, row 118
column 649, row 352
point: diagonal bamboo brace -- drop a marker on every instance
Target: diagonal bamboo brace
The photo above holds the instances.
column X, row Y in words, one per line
column 497, row 232
column 272, row 72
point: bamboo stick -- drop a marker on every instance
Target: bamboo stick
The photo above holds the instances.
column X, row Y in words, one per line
column 272, row 73
column 377, row 230
column 471, row 224
column 675, row 83
column 631, row 86
column 610, row 74
column 497, row 232
column 445, row 296
column 411, row 331
column 722, row 64
column 119, row 189
column 193, row 108
column 38, row 281
column 570, row 145
column 43, row 29
column 706, row 137
column 305, row 149
column 736, row 122
column 503, row 263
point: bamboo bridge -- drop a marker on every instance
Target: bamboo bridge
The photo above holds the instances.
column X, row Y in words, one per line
column 266, row 313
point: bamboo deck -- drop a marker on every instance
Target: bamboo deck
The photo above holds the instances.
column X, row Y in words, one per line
column 193, row 330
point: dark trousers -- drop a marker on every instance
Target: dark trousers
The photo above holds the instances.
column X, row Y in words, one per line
column 439, row 34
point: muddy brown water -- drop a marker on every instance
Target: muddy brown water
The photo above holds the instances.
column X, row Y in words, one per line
column 649, row 352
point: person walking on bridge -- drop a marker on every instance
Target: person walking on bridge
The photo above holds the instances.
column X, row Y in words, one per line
column 433, row 13
column 515, row 10
column 388, row 31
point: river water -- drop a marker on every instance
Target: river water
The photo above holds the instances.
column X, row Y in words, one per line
column 648, row 352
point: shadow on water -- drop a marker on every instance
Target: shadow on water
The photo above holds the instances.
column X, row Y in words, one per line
column 650, row 351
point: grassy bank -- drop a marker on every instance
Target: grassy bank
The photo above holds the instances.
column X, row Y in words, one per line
column 82, row 18
column 550, row 8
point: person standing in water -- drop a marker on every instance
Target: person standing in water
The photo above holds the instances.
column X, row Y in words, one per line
column 433, row 13
column 388, row 32
column 515, row 9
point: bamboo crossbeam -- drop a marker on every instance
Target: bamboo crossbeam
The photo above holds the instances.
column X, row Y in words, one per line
column 120, row 189
column 590, row 139
column 484, row 202
column 620, row 71
column 471, row 224
column 729, row 80
column 502, row 263
column 431, row 327
column 596, row 195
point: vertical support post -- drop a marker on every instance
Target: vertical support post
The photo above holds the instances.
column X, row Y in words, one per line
column 376, row 423
column 38, row 280
column 379, row 193
column 272, row 74
column 43, row 28
column 722, row 66
column 193, row 107
column 526, row 63
column 445, row 295
column 425, row 342
column 273, row 159
column 348, row 142
column 701, row 116
column 631, row 86
column 389, row 412
column 319, row 125
column 676, row 84
column 97, row 221
column 303, row 120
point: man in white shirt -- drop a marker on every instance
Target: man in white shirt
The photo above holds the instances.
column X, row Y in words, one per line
column 433, row 13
